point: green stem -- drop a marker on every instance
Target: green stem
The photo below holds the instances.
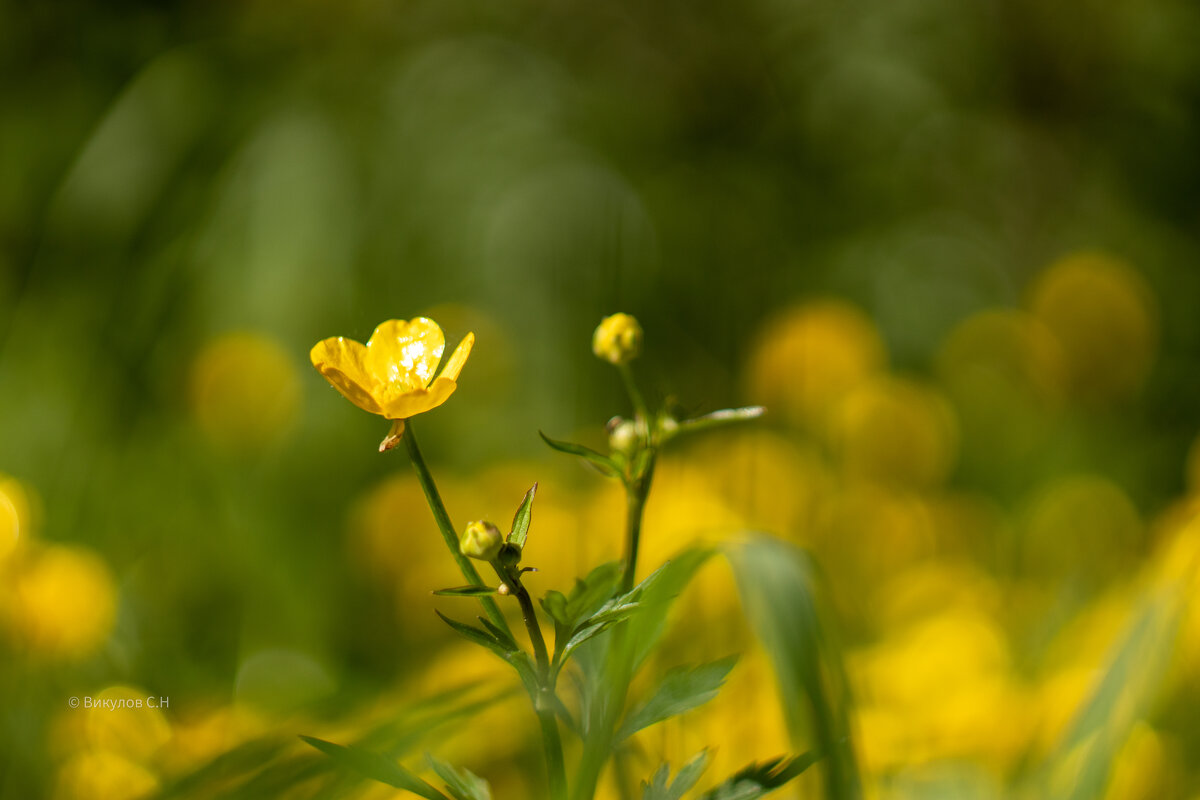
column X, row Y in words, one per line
column 556, row 770
column 543, row 704
column 635, row 396
column 447, row 527
column 636, row 492
column 535, row 635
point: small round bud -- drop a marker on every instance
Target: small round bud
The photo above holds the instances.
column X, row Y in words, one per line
column 481, row 540
column 618, row 339
column 503, row 589
column 624, row 436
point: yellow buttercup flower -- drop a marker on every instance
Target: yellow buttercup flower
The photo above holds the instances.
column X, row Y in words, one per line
column 617, row 339
column 393, row 373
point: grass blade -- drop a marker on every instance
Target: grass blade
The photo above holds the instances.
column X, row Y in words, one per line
column 781, row 597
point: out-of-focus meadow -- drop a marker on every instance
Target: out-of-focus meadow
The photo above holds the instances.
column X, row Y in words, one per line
column 952, row 247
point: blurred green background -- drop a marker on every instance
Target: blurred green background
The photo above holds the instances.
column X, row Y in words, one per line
column 953, row 247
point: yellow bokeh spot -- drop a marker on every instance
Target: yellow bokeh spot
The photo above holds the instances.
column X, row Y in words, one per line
column 16, row 515
column 924, row 690
column 1004, row 371
column 1143, row 769
column 101, row 773
column 63, row 603
column 810, row 356
column 123, row 722
column 897, row 432
column 1103, row 313
column 867, row 533
column 244, row 390
column 1083, row 525
column 201, row 736
column 1013, row 346
column 774, row 482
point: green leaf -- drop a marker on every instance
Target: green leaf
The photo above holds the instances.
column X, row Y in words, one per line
column 682, row 689
column 555, row 603
column 520, row 524
column 716, row 419
column 466, row 591
column 689, row 773
column 581, row 635
column 782, row 598
column 506, row 641
column 759, row 779
column 601, row 462
column 461, row 783
column 592, row 592
column 589, row 596
column 686, row 778
column 376, row 767
column 269, row 768
column 477, row 636
column 1132, row 681
column 656, row 594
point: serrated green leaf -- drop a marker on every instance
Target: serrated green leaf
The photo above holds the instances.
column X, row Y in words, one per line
column 592, row 592
column 600, row 462
column 657, row 788
column 611, row 614
column 466, row 591
column 759, row 779
column 562, row 656
column 521, row 520
column 689, row 774
column 461, row 783
column 376, row 767
column 682, row 689
column 685, row 779
column 555, row 604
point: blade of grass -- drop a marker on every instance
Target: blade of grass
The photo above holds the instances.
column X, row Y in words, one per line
column 782, row 598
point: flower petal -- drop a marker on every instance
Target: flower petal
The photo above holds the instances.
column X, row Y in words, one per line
column 402, row 356
column 342, row 362
column 419, row 401
column 454, row 363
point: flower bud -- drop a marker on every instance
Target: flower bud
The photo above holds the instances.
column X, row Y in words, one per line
column 623, row 436
column 481, row 540
column 618, row 339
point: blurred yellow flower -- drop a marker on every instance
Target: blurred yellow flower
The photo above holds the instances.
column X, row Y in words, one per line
column 896, row 431
column 243, row 390
column 1104, row 315
column 93, row 774
column 618, row 339
column 1145, row 768
column 63, row 603
column 122, row 721
column 12, row 515
column 392, row 374
column 812, row 355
